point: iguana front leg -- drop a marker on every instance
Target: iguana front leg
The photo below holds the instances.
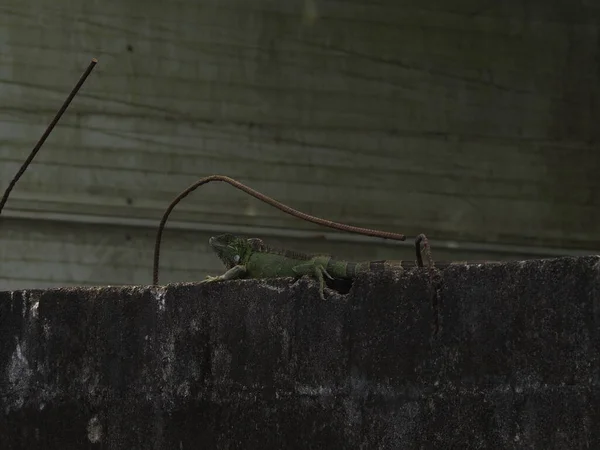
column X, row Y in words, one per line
column 314, row 269
column 235, row 272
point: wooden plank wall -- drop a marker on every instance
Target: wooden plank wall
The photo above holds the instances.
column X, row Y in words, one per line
column 467, row 123
column 61, row 254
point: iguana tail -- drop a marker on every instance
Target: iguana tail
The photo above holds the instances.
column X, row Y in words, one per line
column 348, row 270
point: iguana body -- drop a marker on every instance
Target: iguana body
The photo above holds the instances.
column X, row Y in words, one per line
column 251, row 258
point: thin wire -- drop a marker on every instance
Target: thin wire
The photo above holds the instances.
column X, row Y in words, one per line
column 49, row 129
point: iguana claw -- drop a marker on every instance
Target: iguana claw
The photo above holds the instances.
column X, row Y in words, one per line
column 209, row 278
column 234, row 273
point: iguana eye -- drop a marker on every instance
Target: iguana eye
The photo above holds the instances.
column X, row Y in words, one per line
column 236, row 258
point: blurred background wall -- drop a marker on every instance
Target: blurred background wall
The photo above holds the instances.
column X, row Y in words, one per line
column 474, row 122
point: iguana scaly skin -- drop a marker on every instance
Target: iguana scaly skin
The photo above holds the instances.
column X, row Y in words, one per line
column 251, row 258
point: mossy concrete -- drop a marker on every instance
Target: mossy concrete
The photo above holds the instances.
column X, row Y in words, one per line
column 499, row 356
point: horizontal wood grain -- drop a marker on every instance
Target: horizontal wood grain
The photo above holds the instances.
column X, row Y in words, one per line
column 464, row 123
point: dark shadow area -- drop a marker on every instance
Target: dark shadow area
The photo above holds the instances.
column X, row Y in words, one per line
column 340, row 286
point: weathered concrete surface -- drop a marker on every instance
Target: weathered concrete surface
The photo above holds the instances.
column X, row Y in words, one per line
column 514, row 363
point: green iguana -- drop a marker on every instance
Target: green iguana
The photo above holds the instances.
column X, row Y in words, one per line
column 251, row 258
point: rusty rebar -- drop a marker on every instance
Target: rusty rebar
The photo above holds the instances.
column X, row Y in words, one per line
column 266, row 199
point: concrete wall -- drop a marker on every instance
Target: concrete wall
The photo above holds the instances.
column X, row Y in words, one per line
column 504, row 358
column 468, row 123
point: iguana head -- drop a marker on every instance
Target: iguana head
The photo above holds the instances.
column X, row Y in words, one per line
column 233, row 250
